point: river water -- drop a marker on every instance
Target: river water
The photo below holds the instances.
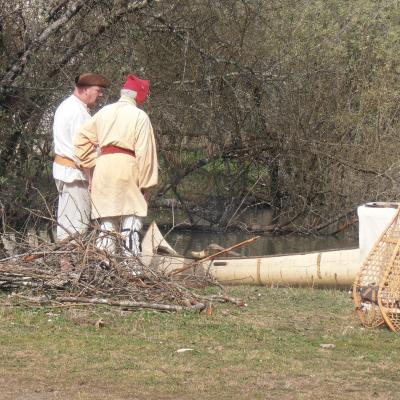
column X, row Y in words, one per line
column 185, row 242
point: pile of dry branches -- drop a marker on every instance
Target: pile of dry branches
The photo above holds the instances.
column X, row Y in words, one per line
column 75, row 271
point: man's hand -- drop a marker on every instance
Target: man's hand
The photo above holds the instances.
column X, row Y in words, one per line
column 89, row 175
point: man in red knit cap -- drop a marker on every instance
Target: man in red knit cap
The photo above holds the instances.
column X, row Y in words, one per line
column 126, row 167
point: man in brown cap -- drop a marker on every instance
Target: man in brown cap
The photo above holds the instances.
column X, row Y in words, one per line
column 73, row 215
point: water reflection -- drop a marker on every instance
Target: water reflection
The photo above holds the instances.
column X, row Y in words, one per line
column 185, row 242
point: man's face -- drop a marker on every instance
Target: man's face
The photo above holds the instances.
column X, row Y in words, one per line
column 92, row 94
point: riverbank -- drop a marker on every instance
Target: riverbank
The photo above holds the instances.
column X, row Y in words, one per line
column 286, row 344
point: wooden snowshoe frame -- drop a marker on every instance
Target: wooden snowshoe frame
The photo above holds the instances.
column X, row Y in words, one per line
column 379, row 278
column 389, row 291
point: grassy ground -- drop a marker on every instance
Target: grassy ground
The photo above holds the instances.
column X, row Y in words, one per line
column 267, row 350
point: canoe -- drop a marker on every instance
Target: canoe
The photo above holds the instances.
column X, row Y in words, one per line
column 331, row 269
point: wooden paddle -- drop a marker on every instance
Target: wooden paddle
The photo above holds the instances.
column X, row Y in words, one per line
column 210, row 257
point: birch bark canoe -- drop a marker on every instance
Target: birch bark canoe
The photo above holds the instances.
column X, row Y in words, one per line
column 334, row 269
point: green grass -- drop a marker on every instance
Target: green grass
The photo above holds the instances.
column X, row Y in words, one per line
column 269, row 349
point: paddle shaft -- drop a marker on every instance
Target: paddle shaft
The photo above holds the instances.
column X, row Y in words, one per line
column 186, row 267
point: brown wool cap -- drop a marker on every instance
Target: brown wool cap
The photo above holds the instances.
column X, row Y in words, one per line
column 89, row 79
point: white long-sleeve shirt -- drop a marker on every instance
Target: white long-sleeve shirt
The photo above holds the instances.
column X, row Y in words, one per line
column 68, row 118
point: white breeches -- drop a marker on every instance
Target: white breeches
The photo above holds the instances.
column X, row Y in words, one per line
column 73, row 214
column 128, row 226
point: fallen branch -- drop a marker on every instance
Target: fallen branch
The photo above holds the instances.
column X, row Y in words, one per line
column 333, row 220
column 345, row 225
column 130, row 304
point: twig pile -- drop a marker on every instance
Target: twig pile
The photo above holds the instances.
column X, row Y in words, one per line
column 77, row 272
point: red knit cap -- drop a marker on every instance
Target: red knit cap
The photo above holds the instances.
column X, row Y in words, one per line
column 140, row 86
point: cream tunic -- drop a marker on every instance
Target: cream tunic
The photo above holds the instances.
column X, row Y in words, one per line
column 118, row 178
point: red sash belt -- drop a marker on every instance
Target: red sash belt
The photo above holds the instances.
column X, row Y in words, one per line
column 110, row 149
